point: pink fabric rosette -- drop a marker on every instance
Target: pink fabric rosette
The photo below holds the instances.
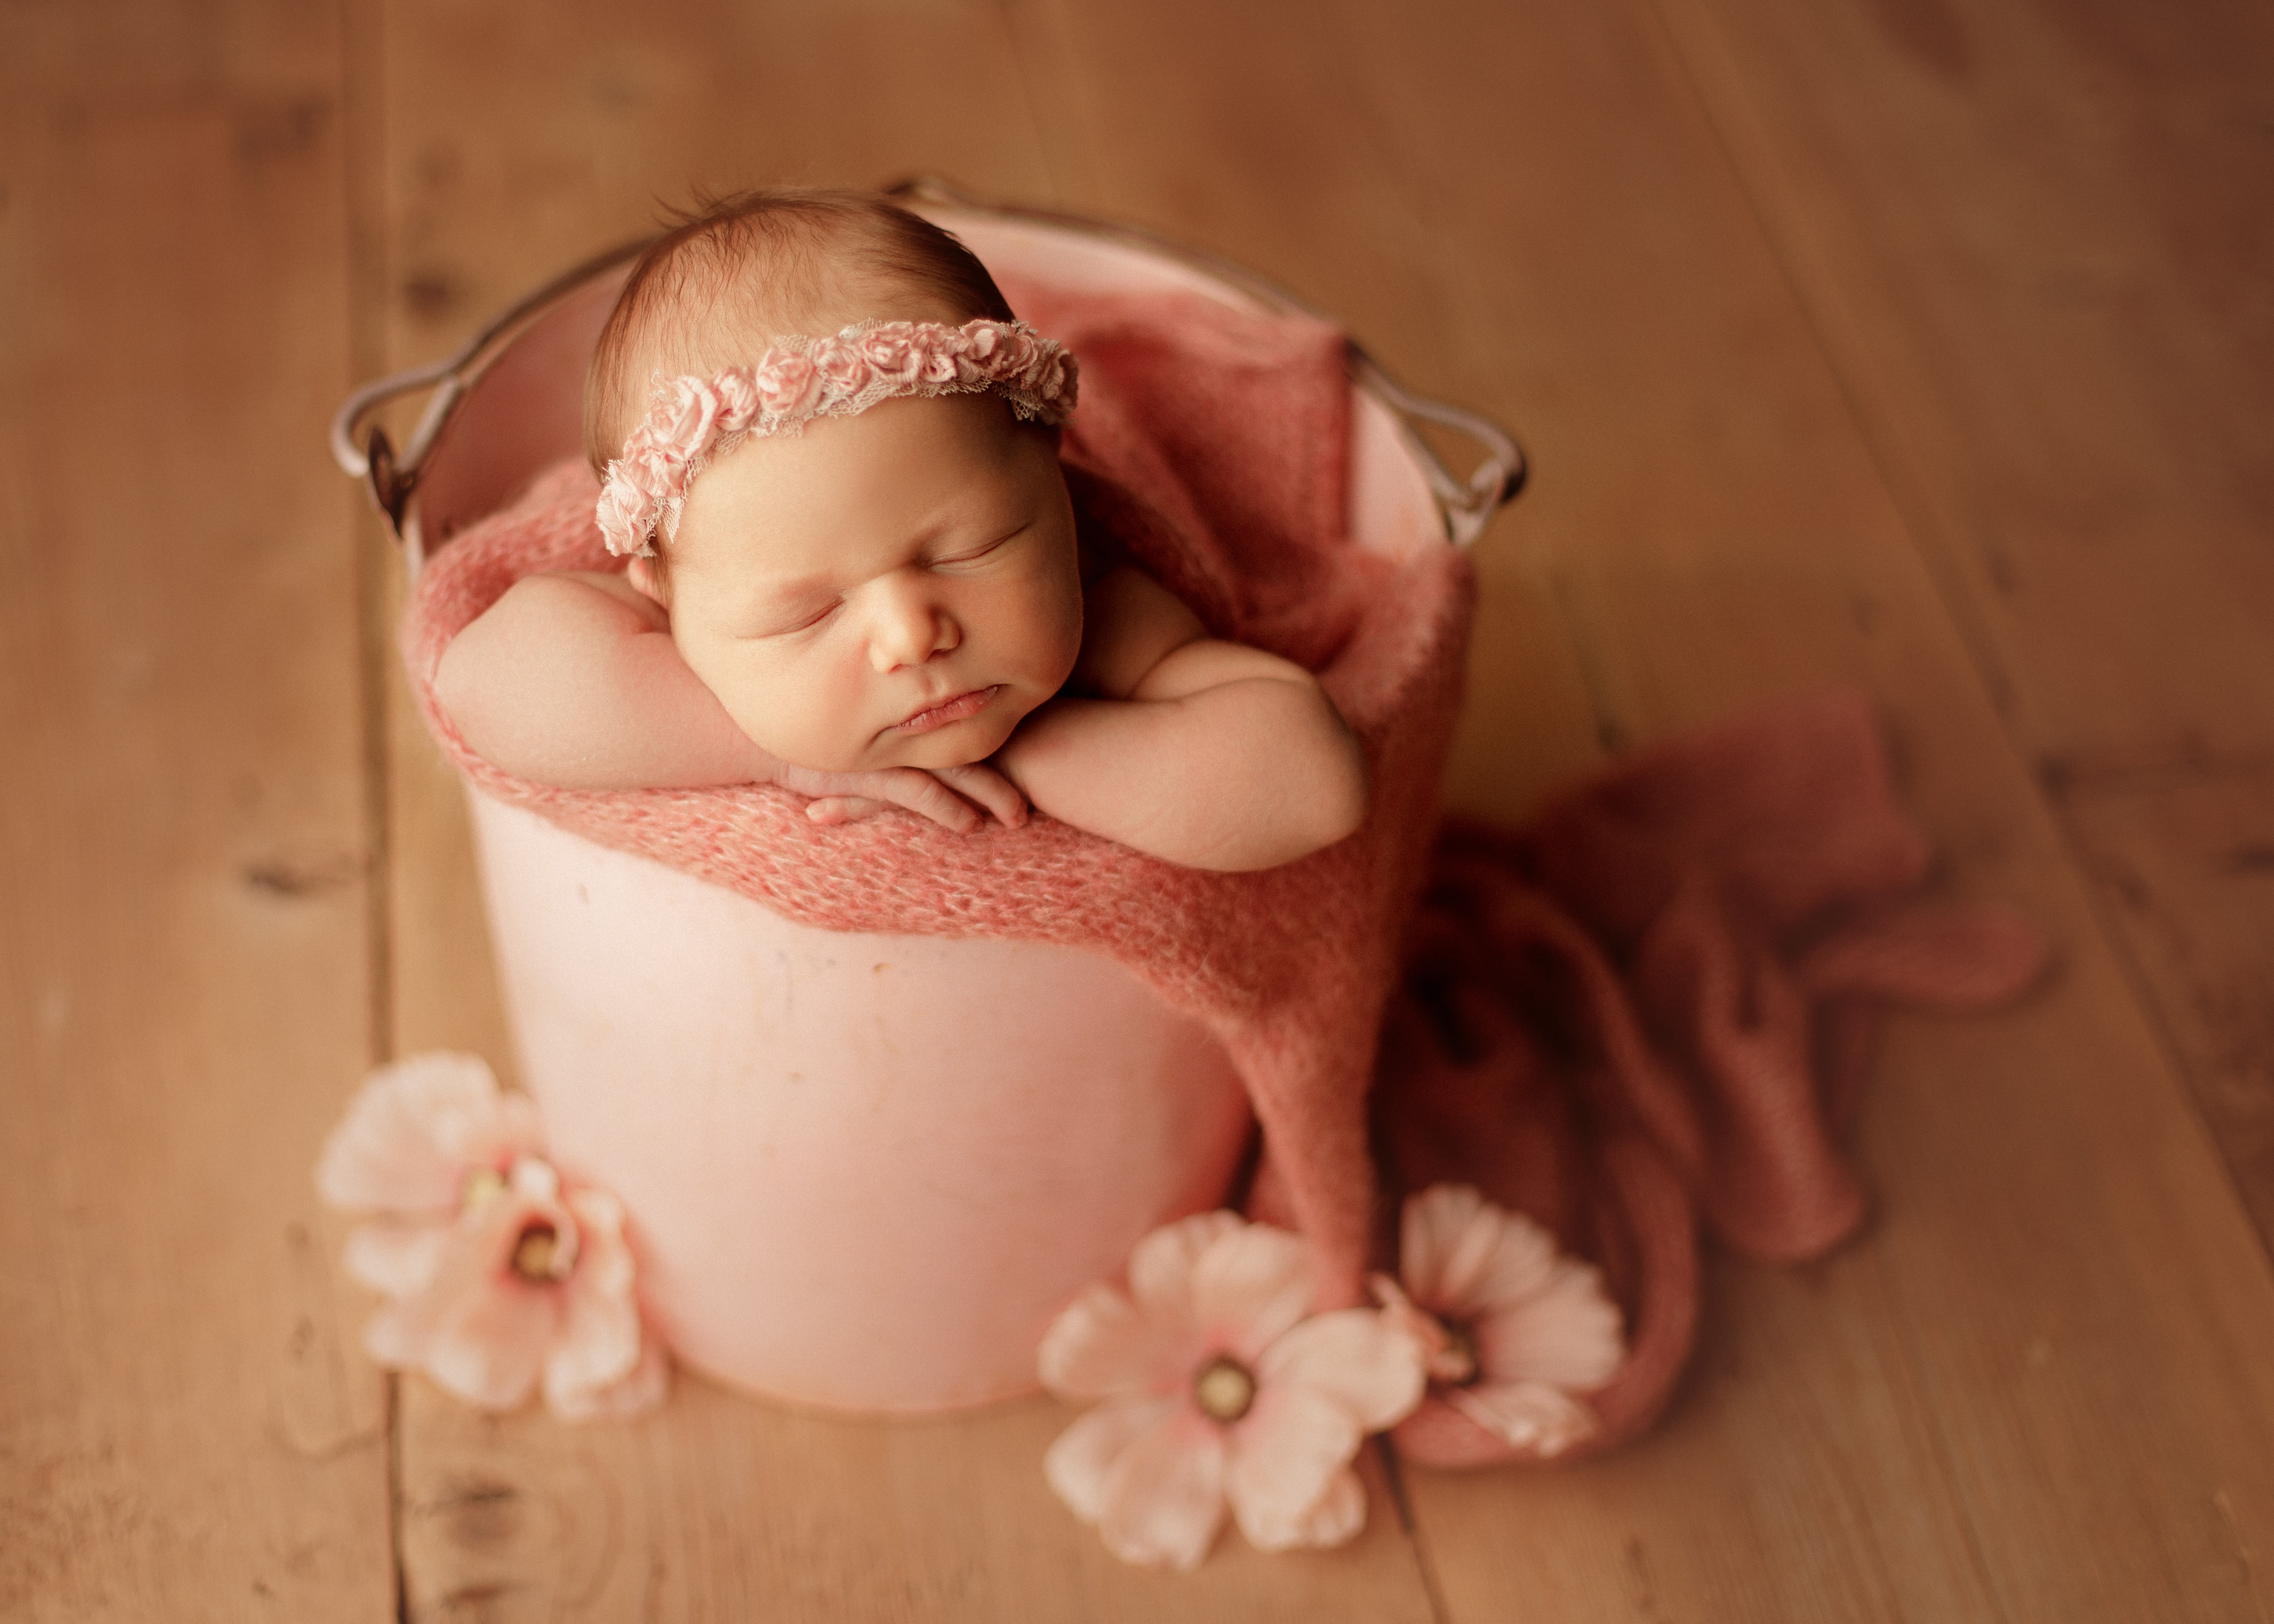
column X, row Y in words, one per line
column 788, row 383
column 842, row 367
column 890, row 350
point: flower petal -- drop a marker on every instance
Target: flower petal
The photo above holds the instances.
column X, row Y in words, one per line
column 596, row 1340
column 1339, row 1515
column 1248, row 1287
column 1357, row 1358
column 1483, row 1257
column 396, row 1149
column 477, row 1328
column 1441, row 1360
column 1432, row 1225
column 491, row 1350
column 394, row 1337
column 1161, row 1265
column 1514, row 1259
column 1526, row 1414
column 1081, row 1460
column 1103, row 1345
column 1164, row 1495
column 395, row 1256
column 494, row 1137
column 1283, row 1456
column 1567, row 1333
column 639, row 1390
column 604, row 1258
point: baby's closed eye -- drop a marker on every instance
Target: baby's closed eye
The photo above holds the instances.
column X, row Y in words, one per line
column 790, row 619
column 973, row 554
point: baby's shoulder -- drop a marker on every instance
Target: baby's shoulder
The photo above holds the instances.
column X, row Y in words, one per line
column 554, row 604
column 1130, row 623
column 1118, row 529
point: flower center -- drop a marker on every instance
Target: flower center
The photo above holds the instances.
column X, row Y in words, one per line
column 536, row 1252
column 483, row 1186
column 1224, row 1389
column 1456, row 1364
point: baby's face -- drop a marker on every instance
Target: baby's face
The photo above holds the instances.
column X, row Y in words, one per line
column 896, row 589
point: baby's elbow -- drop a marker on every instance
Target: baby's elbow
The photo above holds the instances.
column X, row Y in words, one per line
column 461, row 687
column 1320, row 799
column 1335, row 799
column 1345, row 797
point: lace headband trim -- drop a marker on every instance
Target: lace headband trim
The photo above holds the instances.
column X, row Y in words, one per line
column 799, row 378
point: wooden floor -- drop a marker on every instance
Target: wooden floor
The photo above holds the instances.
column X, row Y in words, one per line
column 1922, row 345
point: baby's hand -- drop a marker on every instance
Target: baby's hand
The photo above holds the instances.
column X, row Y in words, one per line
column 953, row 796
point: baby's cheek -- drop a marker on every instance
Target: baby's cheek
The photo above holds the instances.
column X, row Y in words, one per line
column 1056, row 616
column 818, row 711
column 755, row 697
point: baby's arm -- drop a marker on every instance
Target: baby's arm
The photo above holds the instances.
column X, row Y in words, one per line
column 573, row 681
column 1205, row 752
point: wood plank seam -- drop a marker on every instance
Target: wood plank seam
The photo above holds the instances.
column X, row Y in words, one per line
column 363, row 149
column 1818, row 305
column 1715, row 85
column 1393, row 1477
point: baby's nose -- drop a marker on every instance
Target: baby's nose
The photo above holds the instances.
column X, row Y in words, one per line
column 911, row 628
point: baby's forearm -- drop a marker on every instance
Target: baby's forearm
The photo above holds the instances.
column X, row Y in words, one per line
column 1202, row 766
column 565, row 685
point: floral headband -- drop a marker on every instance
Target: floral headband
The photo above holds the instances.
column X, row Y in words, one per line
column 799, row 378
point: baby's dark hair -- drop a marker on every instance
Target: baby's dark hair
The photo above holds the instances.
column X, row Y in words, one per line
column 732, row 271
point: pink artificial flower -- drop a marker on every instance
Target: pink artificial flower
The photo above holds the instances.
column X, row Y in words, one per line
column 1217, row 1387
column 495, row 1277
column 738, row 400
column 890, row 350
column 1512, row 1331
column 976, row 356
column 785, row 381
column 941, row 356
column 627, row 513
column 1051, row 378
column 840, row 365
column 692, row 412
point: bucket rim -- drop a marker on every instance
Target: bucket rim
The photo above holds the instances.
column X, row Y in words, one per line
column 1465, row 504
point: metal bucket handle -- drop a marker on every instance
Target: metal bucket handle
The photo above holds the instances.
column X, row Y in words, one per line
column 1465, row 504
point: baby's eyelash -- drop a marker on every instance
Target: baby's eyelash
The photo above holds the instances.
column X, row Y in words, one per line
column 807, row 620
column 976, row 554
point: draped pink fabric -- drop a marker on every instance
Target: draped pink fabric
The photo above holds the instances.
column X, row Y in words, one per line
column 1645, row 1010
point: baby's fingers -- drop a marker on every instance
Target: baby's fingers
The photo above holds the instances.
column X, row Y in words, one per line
column 990, row 789
column 843, row 808
column 923, row 794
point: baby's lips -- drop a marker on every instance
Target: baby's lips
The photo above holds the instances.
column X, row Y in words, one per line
column 970, row 703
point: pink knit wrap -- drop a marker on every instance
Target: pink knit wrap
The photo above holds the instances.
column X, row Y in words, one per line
column 1213, row 444
column 1641, row 1016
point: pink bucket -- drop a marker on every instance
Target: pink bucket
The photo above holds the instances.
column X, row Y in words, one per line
column 863, row 1172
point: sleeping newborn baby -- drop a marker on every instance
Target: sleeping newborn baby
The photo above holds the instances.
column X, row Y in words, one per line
column 853, row 570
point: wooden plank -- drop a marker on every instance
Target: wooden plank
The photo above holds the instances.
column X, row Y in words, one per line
column 2032, row 241
column 185, row 1432
column 2030, row 238
column 2048, row 1195
column 2033, row 1390
column 719, row 1507
column 2185, row 862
